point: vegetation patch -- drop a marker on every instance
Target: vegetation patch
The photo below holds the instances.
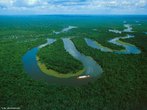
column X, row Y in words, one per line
column 54, row 73
column 55, row 57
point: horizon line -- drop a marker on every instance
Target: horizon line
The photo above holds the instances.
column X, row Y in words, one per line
column 73, row 14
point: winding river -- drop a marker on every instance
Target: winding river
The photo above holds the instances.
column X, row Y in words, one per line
column 65, row 29
column 91, row 71
column 128, row 48
column 91, row 67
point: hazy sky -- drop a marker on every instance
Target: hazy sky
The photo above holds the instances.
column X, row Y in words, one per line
column 73, row 7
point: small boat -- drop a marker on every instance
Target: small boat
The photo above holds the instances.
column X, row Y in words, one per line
column 83, row 77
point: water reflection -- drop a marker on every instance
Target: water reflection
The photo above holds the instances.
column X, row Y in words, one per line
column 128, row 28
column 97, row 45
column 91, row 67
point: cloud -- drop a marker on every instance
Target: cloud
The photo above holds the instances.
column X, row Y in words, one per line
column 73, row 6
column 6, row 3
